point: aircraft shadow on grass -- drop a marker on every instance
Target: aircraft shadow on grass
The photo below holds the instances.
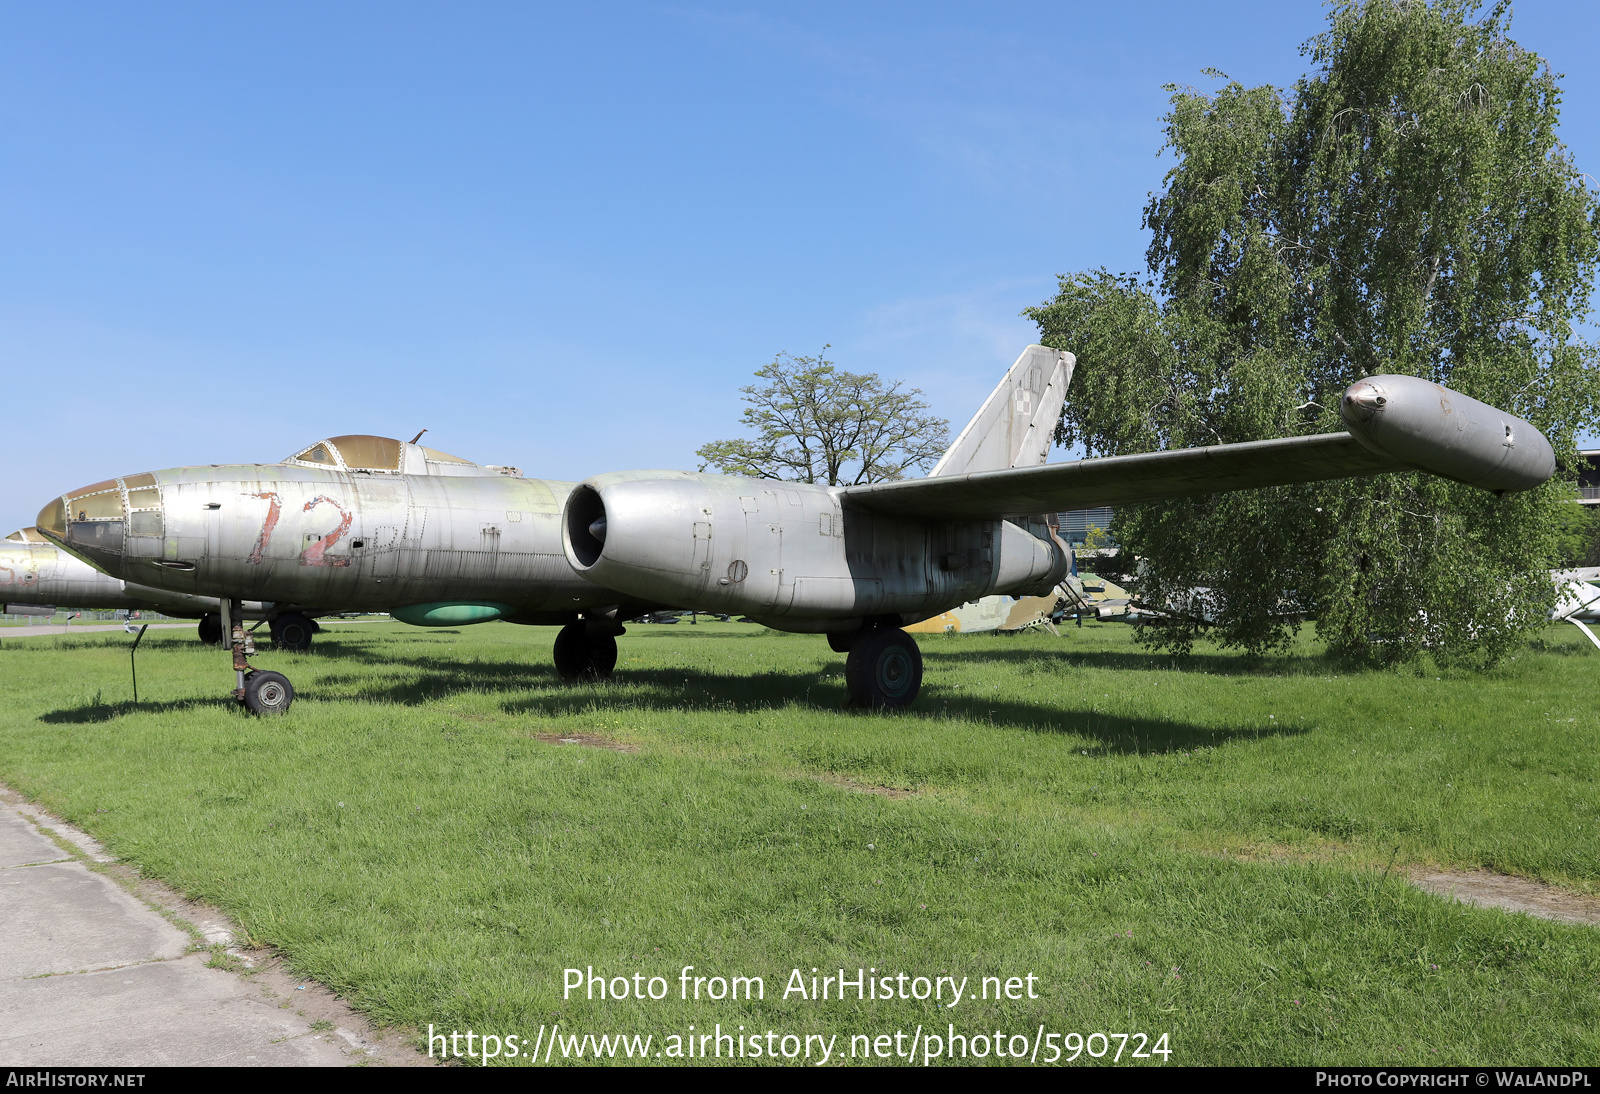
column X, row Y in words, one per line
column 91, row 713
column 1212, row 664
column 675, row 690
column 980, row 648
column 678, row 690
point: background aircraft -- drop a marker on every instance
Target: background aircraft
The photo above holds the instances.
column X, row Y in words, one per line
column 370, row 523
column 1580, row 599
column 37, row 577
column 1080, row 596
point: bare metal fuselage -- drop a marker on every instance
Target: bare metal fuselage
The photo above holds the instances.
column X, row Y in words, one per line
column 791, row 555
column 315, row 539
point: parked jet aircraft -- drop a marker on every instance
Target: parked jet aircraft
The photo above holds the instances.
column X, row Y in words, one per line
column 37, row 577
column 1580, row 599
column 374, row 524
column 1078, row 597
column 1007, row 614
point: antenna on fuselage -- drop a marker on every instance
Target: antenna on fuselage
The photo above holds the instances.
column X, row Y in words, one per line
column 418, row 437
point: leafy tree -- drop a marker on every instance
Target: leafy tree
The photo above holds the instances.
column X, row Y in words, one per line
column 1577, row 530
column 1407, row 208
column 816, row 424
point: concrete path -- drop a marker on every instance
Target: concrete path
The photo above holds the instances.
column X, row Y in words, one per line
column 92, row 975
column 44, row 630
column 84, row 628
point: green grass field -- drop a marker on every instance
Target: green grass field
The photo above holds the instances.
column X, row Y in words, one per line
column 1213, row 848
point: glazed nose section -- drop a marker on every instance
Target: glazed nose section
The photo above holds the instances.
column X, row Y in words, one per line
column 97, row 520
column 52, row 520
column 92, row 519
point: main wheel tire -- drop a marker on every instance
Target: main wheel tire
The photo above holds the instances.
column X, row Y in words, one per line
column 267, row 693
column 292, row 632
column 602, row 655
column 884, row 669
column 210, row 630
column 841, row 641
column 581, row 656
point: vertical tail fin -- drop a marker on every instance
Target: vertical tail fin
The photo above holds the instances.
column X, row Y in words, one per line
column 1017, row 422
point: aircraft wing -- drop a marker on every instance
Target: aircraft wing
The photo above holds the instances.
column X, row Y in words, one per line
column 1393, row 423
column 1122, row 480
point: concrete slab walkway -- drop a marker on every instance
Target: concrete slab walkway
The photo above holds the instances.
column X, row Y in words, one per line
column 59, row 630
column 92, row 975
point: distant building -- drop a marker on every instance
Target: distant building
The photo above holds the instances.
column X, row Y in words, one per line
column 1589, row 477
column 1075, row 524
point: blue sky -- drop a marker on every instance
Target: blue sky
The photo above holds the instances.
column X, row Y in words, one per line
column 562, row 236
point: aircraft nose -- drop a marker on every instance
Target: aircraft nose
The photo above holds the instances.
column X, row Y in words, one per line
column 52, row 520
column 98, row 519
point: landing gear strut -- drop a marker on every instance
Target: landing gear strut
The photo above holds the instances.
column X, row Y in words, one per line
column 884, row 669
column 587, row 649
column 258, row 692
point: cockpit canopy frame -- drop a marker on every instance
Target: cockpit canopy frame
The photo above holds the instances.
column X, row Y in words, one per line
column 365, row 454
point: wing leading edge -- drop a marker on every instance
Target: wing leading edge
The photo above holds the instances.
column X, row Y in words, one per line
column 1395, row 423
column 1122, row 480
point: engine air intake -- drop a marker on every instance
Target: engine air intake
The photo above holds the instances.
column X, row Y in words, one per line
column 586, row 514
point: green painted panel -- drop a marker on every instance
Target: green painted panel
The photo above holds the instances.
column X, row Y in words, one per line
column 451, row 613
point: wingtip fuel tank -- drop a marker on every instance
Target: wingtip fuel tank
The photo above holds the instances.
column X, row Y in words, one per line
column 1431, row 427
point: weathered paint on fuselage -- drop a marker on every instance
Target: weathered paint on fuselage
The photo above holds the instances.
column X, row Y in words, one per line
column 317, row 538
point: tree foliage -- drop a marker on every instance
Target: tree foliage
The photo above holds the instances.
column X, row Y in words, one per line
column 815, row 424
column 1577, row 532
column 1407, row 208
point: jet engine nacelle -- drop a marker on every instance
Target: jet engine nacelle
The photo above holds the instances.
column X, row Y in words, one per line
column 1445, row 432
column 788, row 554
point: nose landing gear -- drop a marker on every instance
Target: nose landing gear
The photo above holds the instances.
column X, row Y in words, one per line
column 258, row 692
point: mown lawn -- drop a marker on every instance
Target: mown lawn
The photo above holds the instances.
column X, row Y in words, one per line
column 1212, row 848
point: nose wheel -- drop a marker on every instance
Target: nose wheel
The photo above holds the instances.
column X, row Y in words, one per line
column 267, row 692
column 884, row 669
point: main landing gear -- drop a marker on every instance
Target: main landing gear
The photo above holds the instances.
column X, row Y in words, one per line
column 289, row 631
column 884, row 669
column 587, row 649
column 292, row 632
column 258, row 692
column 210, row 630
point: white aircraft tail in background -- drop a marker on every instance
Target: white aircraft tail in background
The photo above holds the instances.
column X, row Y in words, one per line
column 1016, row 425
column 1580, row 599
